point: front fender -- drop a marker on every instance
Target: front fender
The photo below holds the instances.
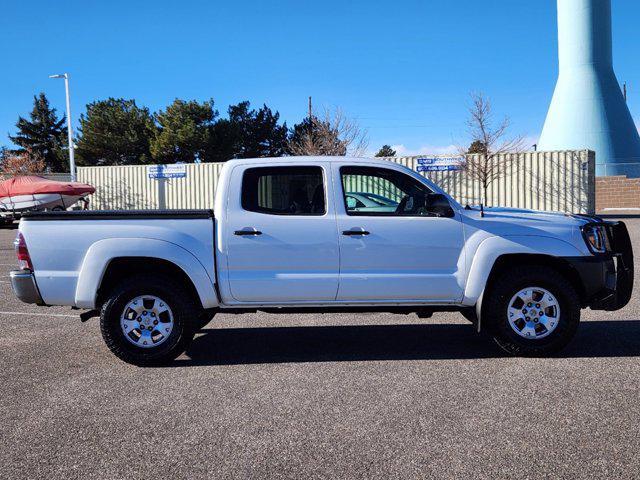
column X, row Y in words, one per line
column 491, row 248
column 101, row 253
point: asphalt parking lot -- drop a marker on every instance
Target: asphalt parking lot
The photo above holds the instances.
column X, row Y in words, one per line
column 317, row 396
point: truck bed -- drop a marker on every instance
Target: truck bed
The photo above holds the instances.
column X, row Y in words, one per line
column 72, row 250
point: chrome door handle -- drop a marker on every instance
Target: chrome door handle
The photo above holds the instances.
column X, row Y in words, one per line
column 247, row 232
column 351, row 233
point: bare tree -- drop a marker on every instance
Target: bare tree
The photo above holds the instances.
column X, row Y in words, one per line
column 27, row 163
column 332, row 134
column 488, row 157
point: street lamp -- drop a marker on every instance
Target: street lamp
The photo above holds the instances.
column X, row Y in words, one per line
column 72, row 161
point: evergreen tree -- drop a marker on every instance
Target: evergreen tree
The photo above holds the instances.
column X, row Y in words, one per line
column 264, row 137
column 223, row 141
column 315, row 136
column 184, row 132
column 248, row 133
column 301, row 130
column 332, row 134
column 386, row 151
column 115, row 132
column 43, row 135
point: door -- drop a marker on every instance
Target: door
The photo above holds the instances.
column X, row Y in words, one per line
column 282, row 236
column 391, row 247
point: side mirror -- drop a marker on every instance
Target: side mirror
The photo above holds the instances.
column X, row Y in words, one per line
column 438, row 205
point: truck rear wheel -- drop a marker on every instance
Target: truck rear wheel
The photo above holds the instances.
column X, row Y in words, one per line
column 148, row 321
column 204, row 319
column 532, row 312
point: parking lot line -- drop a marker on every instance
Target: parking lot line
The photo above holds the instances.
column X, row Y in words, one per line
column 31, row 314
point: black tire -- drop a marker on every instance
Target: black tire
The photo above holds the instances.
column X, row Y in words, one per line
column 185, row 317
column 5, row 221
column 204, row 319
column 495, row 318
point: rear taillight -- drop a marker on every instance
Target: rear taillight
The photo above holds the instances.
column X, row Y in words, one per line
column 24, row 260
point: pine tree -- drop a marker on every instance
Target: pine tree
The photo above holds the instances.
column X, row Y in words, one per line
column 262, row 135
column 43, row 135
column 247, row 133
column 184, row 131
column 115, row 132
column 332, row 134
column 386, row 151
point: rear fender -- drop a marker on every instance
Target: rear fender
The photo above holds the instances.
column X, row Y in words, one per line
column 101, row 253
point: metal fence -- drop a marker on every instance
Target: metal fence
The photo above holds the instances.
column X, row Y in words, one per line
column 129, row 188
column 553, row 181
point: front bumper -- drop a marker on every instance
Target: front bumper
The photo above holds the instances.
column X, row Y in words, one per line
column 24, row 286
column 607, row 279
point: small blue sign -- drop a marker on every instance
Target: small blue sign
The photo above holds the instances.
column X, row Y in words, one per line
column 440, row 164
column 437, row 168
column 176, row 170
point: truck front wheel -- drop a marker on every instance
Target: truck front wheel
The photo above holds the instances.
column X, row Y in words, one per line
column 533, row 311
column 148, row 321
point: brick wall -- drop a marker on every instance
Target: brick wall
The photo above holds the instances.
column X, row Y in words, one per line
column 617, row 192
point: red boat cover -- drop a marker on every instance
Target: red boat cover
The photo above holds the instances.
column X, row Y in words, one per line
column 31, row 185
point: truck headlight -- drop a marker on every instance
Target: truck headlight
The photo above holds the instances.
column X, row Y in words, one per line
column 595, row 237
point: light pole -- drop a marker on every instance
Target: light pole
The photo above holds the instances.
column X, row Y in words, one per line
column 72, row 161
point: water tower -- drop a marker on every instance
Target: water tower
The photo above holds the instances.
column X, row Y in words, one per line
column 588, row 109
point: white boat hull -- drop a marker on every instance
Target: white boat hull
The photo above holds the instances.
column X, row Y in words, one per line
column 38, row 201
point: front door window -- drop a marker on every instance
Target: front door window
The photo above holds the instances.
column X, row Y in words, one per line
column 372, row 191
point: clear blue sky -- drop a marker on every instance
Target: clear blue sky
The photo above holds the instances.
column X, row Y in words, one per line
column 404, row 68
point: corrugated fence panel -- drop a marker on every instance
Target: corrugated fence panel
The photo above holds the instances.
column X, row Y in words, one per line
column 120, row 188
column 561, row 181
column 554, row 181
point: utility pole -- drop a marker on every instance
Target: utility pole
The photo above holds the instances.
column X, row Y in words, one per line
column 310, row 119
column 72, row 162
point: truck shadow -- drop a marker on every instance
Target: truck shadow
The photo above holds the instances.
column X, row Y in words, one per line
column 234, row 346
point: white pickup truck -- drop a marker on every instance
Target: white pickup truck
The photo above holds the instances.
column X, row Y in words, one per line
column 309, row 234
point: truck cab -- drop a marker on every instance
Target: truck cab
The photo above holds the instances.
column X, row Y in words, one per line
column 291, row 235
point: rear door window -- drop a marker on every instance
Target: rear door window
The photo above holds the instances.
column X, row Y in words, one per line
column 284, row 190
